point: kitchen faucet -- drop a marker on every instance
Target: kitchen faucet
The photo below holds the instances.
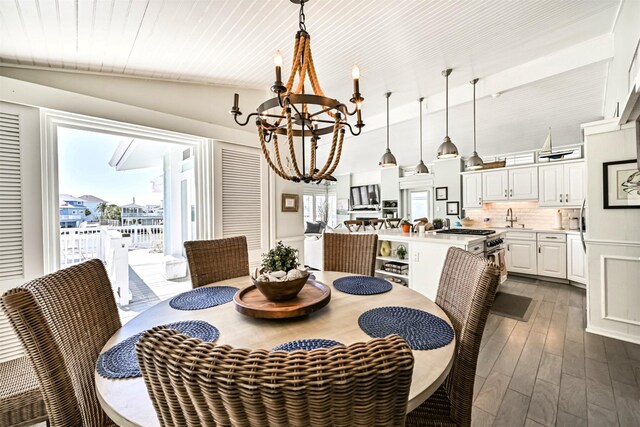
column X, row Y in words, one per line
column 510, row 219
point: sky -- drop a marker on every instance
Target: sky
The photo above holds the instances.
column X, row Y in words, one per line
column 83, row 168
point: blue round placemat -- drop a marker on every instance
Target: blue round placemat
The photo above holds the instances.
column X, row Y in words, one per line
column 120, row 361
column 310, row 344
column 421, row 330
column 202, row 298
column 362, row 285
column 312, row 276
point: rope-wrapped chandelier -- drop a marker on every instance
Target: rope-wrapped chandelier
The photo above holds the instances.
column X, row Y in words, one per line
column 299, row 116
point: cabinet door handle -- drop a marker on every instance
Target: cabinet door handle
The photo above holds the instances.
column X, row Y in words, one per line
column 511, row 192
column 566, row 198
column 539, row 249
column 479, row 199
column 505, row 192
column 560, row 197
column 509, row 248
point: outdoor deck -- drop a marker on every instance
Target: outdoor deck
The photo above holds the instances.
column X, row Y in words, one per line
column 147, row 284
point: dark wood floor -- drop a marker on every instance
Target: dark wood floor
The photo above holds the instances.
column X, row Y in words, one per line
column 549, row 371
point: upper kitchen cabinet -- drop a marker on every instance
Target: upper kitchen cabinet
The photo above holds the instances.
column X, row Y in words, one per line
column 495, row 185
column 523, row 184
column 510, row 184
column 562, row 184
column 390, row 184
column 472, row 190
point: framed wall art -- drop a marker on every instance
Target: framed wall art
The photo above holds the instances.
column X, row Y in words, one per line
column 453, row 208
column 290, row 202
column 621, row 184
column 442, row 193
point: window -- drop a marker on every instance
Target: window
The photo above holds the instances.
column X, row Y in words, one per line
column 307, row 203
column 419, row 204
column 320, row 208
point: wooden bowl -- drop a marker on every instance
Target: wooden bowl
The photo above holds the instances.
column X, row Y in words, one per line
column 281, row 291
column 466, row 222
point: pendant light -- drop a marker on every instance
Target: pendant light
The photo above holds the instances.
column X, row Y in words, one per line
column 447, row 149
column 388, row 159
column 421, row 168
column 474, row 162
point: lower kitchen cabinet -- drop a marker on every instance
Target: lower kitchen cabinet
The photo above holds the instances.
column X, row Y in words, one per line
column 521, row 256
column 552, row 259
column 576, row 260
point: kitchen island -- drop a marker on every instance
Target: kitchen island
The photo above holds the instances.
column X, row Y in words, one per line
column 425, row 257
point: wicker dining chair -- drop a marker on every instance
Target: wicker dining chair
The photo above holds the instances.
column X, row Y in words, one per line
column 63, row 320
column 21, row 402
column 215, row 260
column 467, row 289
column 350, row 253
column 194, row 383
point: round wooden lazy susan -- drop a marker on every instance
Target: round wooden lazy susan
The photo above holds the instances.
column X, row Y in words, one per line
column 313, row 296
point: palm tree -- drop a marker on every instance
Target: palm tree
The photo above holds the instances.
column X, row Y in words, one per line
column 101, row 208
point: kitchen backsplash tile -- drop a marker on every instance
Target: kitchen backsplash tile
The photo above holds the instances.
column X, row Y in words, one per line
column 528, row 213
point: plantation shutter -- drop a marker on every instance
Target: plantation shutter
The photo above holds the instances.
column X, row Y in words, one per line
column 21, row 242
column 11, row 238
column 241, row 196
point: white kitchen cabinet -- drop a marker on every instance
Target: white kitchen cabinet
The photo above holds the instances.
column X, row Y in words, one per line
column 472, row 190
column 495, row 185
column 523, row 184
column 562, row 185
column 574, row 184
column 552, row 259
column 390, row 184
column 521, row 256
column 576, row 260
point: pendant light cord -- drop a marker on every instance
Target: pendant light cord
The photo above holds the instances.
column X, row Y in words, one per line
column 474, row 116
column 421, row 99
column 446, row 115
column 388, row 95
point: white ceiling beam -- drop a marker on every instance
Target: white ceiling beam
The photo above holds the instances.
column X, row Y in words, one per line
column 586, row 53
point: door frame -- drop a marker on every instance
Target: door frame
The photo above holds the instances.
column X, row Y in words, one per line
column 52, row 119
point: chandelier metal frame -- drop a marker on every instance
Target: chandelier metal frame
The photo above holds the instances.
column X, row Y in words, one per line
column 302, row 115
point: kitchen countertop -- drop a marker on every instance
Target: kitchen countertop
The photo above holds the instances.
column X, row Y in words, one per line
column 430, row 237
column 516, row 229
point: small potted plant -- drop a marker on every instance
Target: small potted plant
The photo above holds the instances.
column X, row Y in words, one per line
column 279, row 278
column 437, row 223
column 406, row 225
column 401, row 251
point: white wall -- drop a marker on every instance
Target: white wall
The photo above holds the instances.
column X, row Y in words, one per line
column 447, row 174
column 626, row 35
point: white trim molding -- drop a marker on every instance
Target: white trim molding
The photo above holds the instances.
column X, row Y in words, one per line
column 604, row 288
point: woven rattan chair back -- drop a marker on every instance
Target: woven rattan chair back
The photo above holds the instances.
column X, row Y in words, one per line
column 467, row 288
column 195, row 383
column 63, row 320
column 350, row 253
column 215, row 260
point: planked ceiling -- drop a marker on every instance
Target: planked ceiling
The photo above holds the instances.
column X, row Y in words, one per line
column 400, row 45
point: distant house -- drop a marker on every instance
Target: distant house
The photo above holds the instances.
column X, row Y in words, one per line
column 91, row 202
column 137, row 214
column 71, row 211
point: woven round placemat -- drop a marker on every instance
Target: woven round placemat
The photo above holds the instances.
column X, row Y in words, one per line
column 120, row 361
column 201, row 298
column 362, row 285
column 421, row 330
column 310, row 344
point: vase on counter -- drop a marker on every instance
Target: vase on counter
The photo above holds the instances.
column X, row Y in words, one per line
column 385, row 248
column 406, row 228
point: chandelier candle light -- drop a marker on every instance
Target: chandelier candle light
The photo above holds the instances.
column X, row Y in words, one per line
column 447, row 149
column 474, row 162
column 302, row 117
column 421, row 168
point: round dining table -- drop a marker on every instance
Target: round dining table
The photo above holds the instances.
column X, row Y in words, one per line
column 127, row 402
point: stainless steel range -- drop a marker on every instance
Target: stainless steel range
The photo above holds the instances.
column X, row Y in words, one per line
column 493, row 245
